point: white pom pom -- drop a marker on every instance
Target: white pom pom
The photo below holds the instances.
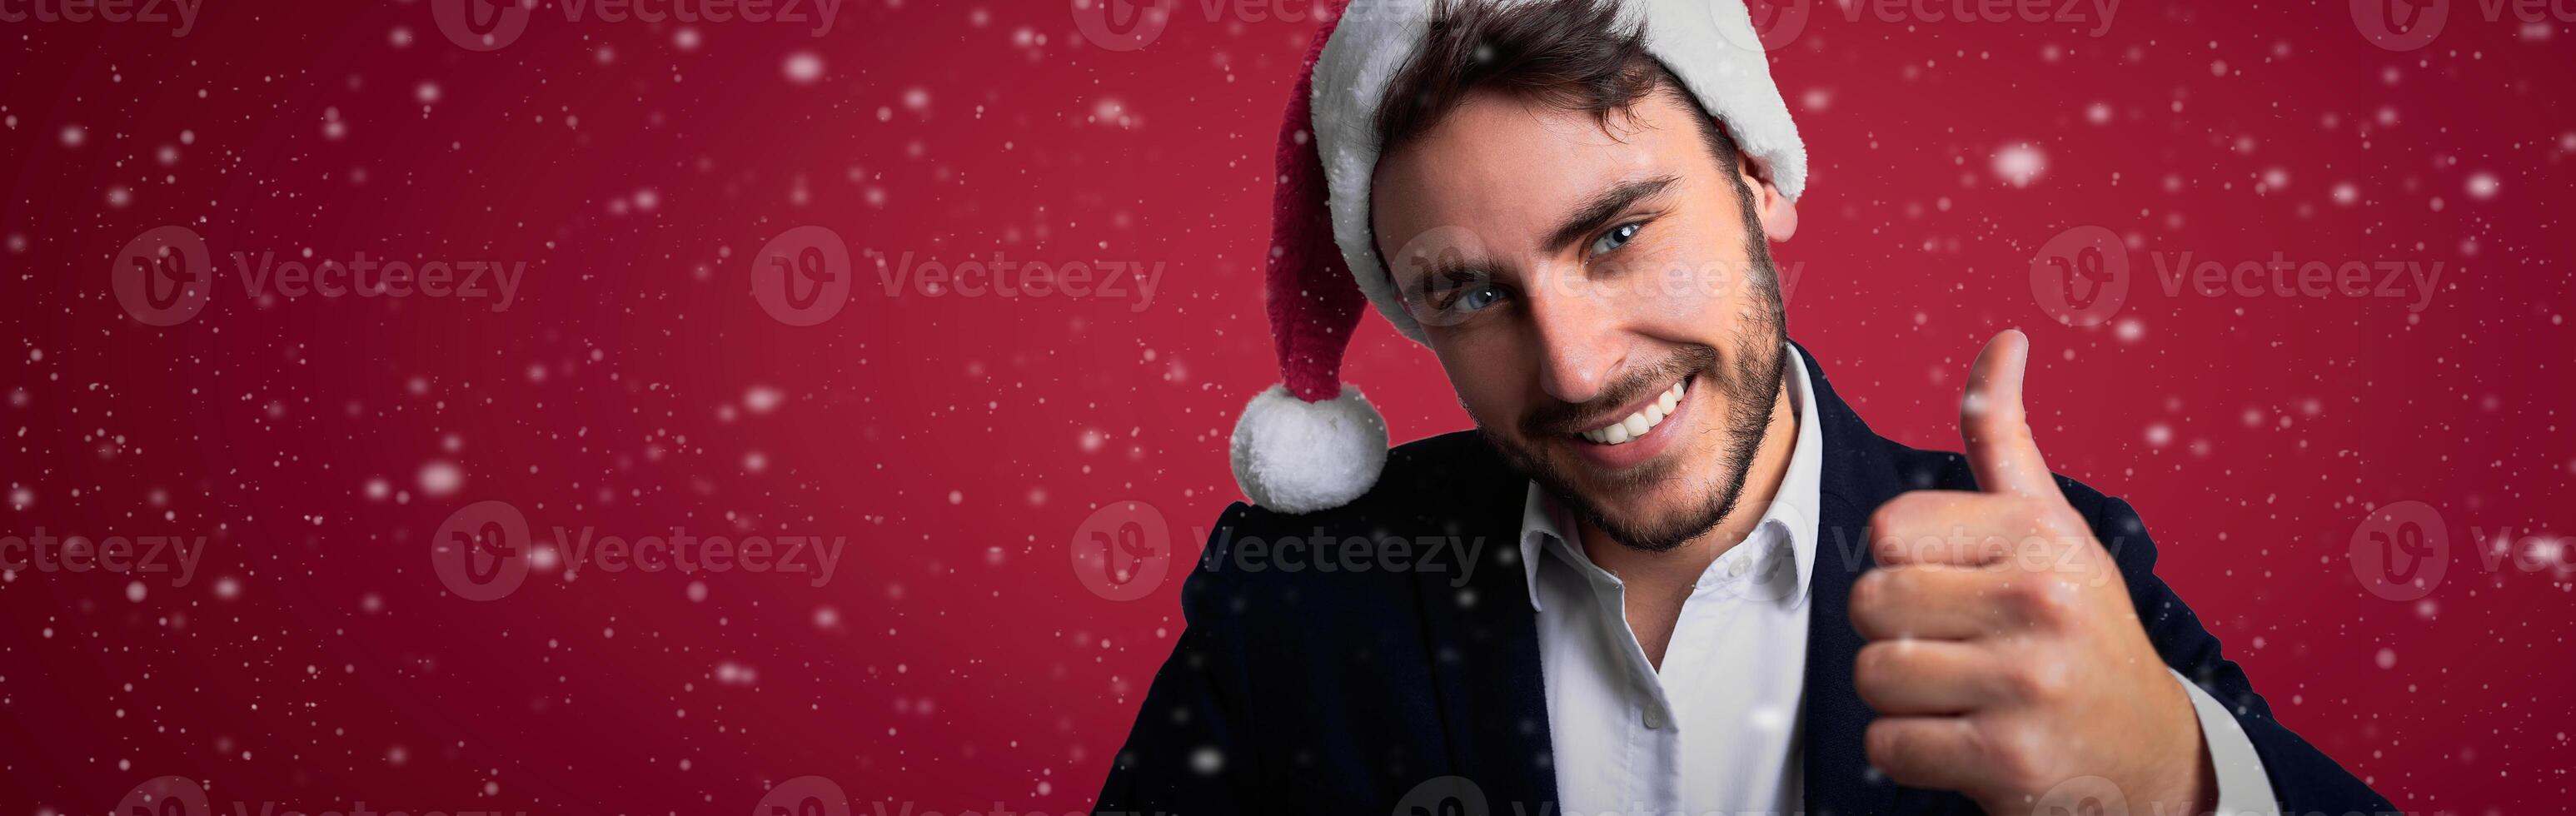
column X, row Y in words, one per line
column 1295, row 456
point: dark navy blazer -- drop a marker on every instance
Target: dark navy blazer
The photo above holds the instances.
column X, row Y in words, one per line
column 1339, row 693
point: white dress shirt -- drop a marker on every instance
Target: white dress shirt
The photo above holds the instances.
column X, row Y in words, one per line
column 1718, row 729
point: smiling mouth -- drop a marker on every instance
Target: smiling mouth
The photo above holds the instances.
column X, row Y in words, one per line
column 1642, row 420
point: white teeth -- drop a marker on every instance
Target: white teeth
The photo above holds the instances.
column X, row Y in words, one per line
column 1637, row 424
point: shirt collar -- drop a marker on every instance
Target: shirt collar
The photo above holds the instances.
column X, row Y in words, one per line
column 1793, row 506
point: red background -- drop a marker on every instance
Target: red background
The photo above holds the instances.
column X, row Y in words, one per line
column 956, row 662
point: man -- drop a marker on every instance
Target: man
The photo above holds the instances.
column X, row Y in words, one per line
column 1714, row 590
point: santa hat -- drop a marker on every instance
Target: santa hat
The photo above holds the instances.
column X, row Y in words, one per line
column 1312, row 443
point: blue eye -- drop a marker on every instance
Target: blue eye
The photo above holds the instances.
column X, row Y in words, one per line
column 1451, row 299
column 1474, row 299
column 1616, row 238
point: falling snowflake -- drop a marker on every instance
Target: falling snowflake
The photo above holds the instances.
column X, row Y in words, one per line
column 803, row 68
column 2020, row 164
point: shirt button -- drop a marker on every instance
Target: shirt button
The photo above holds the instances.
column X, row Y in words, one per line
column 1736, row 569
column 1654, row 719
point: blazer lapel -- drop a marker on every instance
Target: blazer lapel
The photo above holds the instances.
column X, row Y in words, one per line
column 1857, row 477
column 1484, row 641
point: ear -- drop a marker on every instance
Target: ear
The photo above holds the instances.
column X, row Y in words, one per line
column 1779, row 214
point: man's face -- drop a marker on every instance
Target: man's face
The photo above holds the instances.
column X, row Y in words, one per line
column 1600, row 304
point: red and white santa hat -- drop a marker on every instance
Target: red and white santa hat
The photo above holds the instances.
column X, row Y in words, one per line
column 1313, row 443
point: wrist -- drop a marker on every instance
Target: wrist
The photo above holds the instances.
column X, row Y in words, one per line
column 2187, row 779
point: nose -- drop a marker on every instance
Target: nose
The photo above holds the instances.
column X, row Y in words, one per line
column 1578, row 337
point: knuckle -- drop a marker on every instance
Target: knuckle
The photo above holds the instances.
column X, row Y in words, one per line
column 1871, row 668
column 1869, row 594
column 1884, row 517
column 2060, row 521
column 2055, row 604
column 1898, row 582
column 2042, row 601
column 1884, row 743
column 2033, row 681
column 2028, row 553
column 1897, row 526
column 1893, row 549
column 2029, row 516
column 2020, row 591
column 2018, row 754
column 1864, row 597
column 1887, row 534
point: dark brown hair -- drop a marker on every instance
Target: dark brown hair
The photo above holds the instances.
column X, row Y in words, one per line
column 1575, row 55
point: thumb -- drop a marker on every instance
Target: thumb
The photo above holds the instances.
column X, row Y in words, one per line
column 1992, row 423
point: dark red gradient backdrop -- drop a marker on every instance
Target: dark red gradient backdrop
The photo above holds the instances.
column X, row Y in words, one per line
column 954, row 661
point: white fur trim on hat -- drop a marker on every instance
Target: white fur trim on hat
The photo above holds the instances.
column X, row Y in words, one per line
column 1709, row 44
column 1295, row 456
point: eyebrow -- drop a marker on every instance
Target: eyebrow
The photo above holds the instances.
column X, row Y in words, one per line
column 1598, row 212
